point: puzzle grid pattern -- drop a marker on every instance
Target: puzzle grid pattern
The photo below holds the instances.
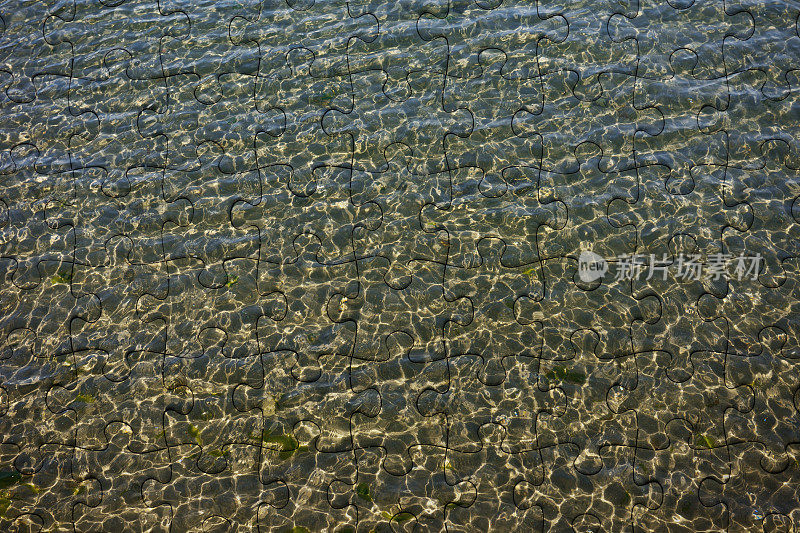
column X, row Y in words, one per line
column 312, row 266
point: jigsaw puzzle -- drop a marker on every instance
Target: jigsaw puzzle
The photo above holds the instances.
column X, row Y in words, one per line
column 426, row 265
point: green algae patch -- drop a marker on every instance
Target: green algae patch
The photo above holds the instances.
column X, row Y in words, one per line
column 61, row 277
column 296, row 529
column 9, row 478
column 325, row 97
column 706, row 441
column 194, row 433
column 85, row 398
column 562, row 373
column 363, row 492
column 288, row 445
column 216, row 452
column 5, row 503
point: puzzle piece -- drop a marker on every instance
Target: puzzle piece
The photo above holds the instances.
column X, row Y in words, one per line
column 711, row 398
column 493, row 334
column 423, row 497
column 624, row 494
column 391, row 51
column 119, row 144
column 415, row 316
column 765, row 191
column 87, row 401
column 566, row 304
column 327, row 34
column 47, row 498
column 302, row 495
column 34, row 228
column 588, row 422
column 748, row 498
column 136, row 29
column 399, row 332
column 208, row 416
column 493, row 486
column 121, row 473
column 279, row 238
column 27, row 53
column 421, row 121
column 762, row 349
column 735, row 118
column 697, row 25
column 586, row 196
column 590, row 118
column 468, row 404
column 238, row 512
column 681, row 507
column 470, row 29
column 399, row 196
column 775, row 31
column 202, row 45
column 587, row 37
column 673, row 201
column 205, row 234
column 47, row 311
column 23, row 443
column 494, row 98
column 482, row 207
column 399, row 407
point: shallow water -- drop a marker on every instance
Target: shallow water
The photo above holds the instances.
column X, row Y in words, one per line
column 327, row 266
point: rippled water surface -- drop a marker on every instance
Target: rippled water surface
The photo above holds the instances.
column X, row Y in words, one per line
column 412, row 266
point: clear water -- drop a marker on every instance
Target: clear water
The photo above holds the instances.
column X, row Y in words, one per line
column 315, row 266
